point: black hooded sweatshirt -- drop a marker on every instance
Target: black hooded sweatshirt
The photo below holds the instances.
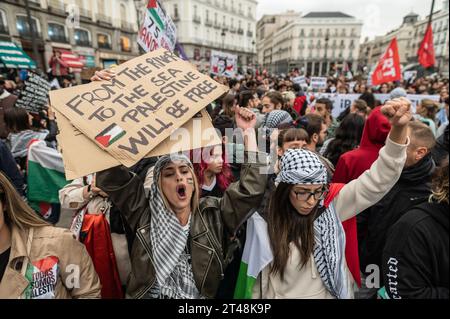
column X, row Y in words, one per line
column 415, row 259
column 413, row 187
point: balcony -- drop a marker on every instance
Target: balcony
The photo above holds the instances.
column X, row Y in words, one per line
column 83, row 43
column 103, row 19
column 104, row 46
column 59, row 38
column 26, row 34
column 240, row 31
column 56, row 7
column 4, row 29
column 208, row 23
column 197, row 19
column 126, row 26
column 233, row 29
column 176, row 18
column 249, row 33
column 217, row 25
column 85, row 14
column 125, row 48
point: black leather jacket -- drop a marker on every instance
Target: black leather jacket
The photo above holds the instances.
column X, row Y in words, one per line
column 211, row 227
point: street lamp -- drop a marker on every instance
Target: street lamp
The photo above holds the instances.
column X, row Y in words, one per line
column 223, row 38
column 327, row 38
column 253, row 51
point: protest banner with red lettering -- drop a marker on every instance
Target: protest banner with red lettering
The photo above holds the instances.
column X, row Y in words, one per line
column 157, row 30
column 388, row 68
column 149, row 97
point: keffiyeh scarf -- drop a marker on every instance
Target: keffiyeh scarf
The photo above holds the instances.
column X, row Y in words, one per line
column 298, row 166
column 168, row 238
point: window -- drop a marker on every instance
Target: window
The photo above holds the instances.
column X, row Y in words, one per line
column 215, row 18
column 123, row 12
column 57, row 32
column 175, row 11
column 103, row 41
column 101, row 6
column 82, row 37
column 23, row 27
column 207, row 15
column 3, row 24
column 125, row 44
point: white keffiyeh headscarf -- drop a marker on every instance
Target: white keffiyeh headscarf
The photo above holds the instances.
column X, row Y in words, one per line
column 169, row 239
column 299, row 166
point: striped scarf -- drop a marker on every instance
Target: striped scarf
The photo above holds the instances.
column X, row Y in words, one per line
column 298, row 166
column 168, row 238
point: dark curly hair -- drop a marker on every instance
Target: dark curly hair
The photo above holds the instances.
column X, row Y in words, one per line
column 348, row 137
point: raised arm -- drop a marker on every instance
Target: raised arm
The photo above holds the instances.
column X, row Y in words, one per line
column 377, row 181
column 126, row 191
column 242, row 196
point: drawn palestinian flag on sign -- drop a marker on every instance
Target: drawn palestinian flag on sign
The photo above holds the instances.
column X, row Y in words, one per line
column 110, row 135
column 42, row 276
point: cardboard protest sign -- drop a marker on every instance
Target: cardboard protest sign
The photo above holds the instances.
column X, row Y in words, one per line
column 157, row 30
column 130, row 115
column 81, row 156
column 342, row 101
column 34, row 96
column 318, row 82
column 223, row 64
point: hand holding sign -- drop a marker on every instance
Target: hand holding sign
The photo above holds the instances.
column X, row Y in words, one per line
column 103, row 75
column 140, row 106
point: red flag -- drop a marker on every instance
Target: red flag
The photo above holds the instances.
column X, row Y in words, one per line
column 151, row 4
column 388, row 68
column 426, row 50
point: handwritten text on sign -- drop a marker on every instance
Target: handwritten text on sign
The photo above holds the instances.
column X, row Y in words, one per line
column 149, row 97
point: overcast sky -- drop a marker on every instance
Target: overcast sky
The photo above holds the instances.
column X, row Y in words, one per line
column 378, row 16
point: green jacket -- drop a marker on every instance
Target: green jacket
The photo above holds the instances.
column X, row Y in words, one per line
column 211, row 227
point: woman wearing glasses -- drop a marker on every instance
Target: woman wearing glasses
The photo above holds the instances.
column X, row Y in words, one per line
column 306, row 213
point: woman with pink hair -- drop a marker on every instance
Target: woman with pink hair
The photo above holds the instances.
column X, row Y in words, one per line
column 212, row 170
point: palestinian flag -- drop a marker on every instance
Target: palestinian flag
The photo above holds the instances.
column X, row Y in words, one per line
column 45, row 177
column 110, row 135
column 42, row 276
column 151, row 4
column 256, row 256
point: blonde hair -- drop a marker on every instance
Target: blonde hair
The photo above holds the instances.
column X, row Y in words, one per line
column 195, row 195
column 430, row 108
column 17, row 212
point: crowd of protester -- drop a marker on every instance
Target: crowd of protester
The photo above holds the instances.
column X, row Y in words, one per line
column 368, row 188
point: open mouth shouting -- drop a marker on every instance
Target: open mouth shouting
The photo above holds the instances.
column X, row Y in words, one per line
column 181, row 191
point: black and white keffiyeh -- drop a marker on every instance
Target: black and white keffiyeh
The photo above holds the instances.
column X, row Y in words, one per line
column 299, row 166
column 275, row 118
column 168, row 238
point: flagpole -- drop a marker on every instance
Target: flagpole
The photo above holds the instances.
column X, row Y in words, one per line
column 430, row 19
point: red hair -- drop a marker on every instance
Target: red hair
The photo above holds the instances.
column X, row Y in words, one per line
column 224, row 178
